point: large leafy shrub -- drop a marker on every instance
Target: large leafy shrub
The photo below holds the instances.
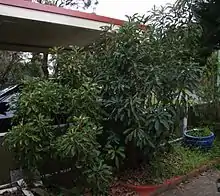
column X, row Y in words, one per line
column 147, row 76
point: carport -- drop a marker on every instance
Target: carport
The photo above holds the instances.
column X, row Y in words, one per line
column 33, row 27
column 28, row 26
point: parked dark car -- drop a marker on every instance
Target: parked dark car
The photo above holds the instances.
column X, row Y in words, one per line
column 7, row 95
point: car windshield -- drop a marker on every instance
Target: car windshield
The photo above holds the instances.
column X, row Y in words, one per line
column 7, row 93
column 5, row 90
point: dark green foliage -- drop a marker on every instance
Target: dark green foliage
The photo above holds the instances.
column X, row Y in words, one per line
column 70, row 66
column 207, row 14
column 39, row 140
column 114, row 150
column 79, row 141
column 98, row 176
column 147, row 76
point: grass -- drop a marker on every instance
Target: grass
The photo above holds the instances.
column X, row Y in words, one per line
column 178, row 161
column 182, row 160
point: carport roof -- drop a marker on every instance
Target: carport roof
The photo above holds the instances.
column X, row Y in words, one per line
column 27, row 26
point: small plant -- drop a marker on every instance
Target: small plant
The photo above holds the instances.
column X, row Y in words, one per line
column 99, row 175
column 114, row 153
column 30, row 142
column 200, row 132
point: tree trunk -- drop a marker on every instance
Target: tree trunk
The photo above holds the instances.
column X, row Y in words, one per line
column 43, row 62
column 45, row 65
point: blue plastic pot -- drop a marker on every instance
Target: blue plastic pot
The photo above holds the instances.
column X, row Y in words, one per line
column 201, row 142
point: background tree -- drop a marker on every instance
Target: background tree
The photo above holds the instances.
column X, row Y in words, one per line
column 206, row 14
column 74, row 4
column 15, row 66
column 8, row 60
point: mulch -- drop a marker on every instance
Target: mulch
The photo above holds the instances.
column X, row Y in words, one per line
column 119, row 190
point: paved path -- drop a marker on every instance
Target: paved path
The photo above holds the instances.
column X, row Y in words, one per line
column 203, row 185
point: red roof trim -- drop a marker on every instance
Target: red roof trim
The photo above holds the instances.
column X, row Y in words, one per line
column 61, row 11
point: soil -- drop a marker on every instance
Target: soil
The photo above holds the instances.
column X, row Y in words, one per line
column 140, row 176
column 119, row 190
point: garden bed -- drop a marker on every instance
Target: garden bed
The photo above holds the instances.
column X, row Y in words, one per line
column 170, row 169
column 166, row 171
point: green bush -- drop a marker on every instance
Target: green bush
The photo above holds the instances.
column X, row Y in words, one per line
column 30, row 143
column 37, row 139
column 147, row 78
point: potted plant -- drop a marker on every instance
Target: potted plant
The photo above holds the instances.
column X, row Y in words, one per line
column 199, row 137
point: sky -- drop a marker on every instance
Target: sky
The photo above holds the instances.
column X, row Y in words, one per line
column 120, row 8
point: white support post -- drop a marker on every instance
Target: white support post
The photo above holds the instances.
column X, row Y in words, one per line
column 184, row 123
